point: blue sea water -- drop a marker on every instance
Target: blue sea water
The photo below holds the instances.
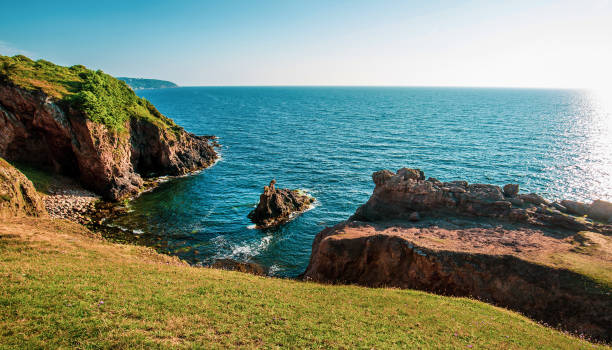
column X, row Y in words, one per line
column 328, row 141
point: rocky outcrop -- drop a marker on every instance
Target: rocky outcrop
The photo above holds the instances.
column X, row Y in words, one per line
column 246, row 267
column 277, row 206
column 475, row 240
column 18, row 197
column 445, row 261
column 397, row 196
column 46, row 132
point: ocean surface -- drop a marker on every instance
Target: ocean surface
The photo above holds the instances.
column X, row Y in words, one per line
column 329, row 140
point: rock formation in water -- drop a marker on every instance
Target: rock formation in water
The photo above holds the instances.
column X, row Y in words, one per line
column 18, row 197
column 72, row 124
column 246, row 267
column 277, row 206
column 474, row 240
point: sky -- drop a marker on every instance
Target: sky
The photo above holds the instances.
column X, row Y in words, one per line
column 559, row 44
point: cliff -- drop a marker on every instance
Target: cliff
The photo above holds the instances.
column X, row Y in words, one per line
column 18, row 197
column 90, row 126
column 452, row 238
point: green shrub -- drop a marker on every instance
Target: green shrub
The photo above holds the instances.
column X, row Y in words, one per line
column 101, row 97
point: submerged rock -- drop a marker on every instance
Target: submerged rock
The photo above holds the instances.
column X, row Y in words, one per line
column 277, row 206
column 233, row 265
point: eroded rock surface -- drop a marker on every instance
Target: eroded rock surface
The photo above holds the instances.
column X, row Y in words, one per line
column 18, row 197
column 475, row 240
column 42, row 131
column 277, row 206
column 397, row 196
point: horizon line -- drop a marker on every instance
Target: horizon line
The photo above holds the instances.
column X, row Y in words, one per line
column 398, row 86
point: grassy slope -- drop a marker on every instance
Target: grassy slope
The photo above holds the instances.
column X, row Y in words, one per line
column 104, row 99
column 54, row 277
column 591, row 256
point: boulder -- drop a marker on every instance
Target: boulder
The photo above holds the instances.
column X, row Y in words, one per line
column 533, row 198
column 601, row 211
column 511, row 190
column 277, row 206
column 414, row 216
column 574, row 207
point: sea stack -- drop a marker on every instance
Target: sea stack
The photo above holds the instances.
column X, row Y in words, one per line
column 277, row 206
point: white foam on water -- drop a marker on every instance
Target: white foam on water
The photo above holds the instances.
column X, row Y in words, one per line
column 163, row 179
column 273, row 270
column 240, row 251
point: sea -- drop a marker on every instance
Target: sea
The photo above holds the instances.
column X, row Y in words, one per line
column 328, row 141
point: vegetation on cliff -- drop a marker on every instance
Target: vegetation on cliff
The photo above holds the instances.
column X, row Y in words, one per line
column 101, row 97
column 62, row 286
column 90, row 126
column 142, row 83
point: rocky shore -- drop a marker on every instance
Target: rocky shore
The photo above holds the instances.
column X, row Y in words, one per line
column 514, row 250
column 71, row 203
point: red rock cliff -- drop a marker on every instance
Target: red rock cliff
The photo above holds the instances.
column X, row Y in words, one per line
column 40, row 130
column 472, row 240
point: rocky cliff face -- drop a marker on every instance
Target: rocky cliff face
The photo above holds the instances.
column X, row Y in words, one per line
column 407, row 195
column 43, row 131
column 475, row 240
column 18, row 197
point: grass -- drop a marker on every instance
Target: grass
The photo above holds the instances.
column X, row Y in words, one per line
column 101, row 97
column 591, row 256
column 43, row 180
column 61, row 286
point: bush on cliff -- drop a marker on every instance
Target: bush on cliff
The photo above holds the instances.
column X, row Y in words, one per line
column 101, row 97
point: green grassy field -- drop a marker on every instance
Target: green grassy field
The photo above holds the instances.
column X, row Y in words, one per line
column 61, row 286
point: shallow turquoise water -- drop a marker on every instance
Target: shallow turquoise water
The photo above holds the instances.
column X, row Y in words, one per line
column 328, row 141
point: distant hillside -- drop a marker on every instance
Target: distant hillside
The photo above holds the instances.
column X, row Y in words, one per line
column 140, row 83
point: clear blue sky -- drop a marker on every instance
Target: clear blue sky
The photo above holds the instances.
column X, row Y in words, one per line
column 376, row 42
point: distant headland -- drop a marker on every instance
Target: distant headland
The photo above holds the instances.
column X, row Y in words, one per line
column 142, row 83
